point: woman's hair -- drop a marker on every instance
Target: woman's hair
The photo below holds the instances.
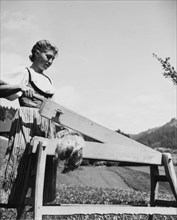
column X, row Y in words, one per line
column 42, row 46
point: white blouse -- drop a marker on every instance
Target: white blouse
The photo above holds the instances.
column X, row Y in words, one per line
column 21, row 76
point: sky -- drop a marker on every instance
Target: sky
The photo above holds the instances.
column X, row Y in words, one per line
column 105, row 69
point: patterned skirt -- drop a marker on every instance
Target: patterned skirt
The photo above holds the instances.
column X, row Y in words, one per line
column 18, row 164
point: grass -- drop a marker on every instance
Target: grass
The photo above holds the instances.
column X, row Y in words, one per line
column 94, row 195
column 139, row 180
column 138, row 196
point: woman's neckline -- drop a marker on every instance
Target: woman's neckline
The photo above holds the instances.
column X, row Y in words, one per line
column 36, row 71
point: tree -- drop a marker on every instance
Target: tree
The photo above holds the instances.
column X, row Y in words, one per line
column 169, row 71
column 120, row 132
column 6, row 113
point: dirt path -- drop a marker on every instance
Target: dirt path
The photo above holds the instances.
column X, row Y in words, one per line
column 93, row 176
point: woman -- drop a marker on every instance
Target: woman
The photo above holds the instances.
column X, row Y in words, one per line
column 26, row 85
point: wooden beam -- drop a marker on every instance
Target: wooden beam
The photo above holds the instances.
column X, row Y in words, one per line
column 166, row 203
column 39, row 182
column 72, row 120
column 170, row 172
column 72, row 209
column 106, row 151
column 116, row 152
column 154, row 172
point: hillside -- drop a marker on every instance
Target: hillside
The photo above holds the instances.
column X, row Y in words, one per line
column 159, row 137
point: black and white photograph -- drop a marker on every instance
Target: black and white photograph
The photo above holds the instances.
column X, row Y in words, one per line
column 88, row 110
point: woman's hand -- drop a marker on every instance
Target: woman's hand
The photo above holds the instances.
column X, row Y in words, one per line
column 27, row 91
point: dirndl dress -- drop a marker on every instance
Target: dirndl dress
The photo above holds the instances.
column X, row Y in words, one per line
column 18, row 165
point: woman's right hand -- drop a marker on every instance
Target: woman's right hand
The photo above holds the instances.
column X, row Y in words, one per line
column 7, row 89
column 27, row 91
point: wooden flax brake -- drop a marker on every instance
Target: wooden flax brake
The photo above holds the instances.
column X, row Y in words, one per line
column 107, row 145
column 43, row 147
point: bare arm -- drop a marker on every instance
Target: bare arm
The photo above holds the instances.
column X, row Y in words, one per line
column 7, row 89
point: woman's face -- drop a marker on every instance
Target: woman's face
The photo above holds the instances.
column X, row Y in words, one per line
column 44, row 60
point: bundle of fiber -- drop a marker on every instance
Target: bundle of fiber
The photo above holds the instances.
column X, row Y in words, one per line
column 69, row 150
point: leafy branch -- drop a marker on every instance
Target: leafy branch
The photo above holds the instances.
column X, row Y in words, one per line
column 169, row 71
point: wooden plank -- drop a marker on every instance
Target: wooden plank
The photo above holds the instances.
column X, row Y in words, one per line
column 166, row 203
column 154, row 172
column 106, row 151
column 161, row 178
column 170, row 172
column 72, row 209
column 8, row 206
column 89, row 128
column 116, row 152
column 48, row 144
column 39, row 184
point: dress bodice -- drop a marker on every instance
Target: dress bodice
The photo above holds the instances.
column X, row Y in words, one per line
column 34, row 102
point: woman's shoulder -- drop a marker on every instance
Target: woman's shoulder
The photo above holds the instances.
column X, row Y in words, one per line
column 18, row 70
column 15, row 76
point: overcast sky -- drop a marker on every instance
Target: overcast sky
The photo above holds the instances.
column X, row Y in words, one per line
column 105, row 69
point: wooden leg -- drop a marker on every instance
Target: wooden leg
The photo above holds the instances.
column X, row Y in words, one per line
column 39, row 185
column 170, row 172
column 154, row 171
column 150, row 217
column 22, row 207
column 22, row 212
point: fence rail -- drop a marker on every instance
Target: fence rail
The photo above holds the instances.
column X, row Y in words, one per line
column 72, row 209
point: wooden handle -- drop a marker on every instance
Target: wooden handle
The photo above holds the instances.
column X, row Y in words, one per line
column 39, row 97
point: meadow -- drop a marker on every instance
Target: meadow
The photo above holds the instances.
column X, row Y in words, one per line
column 72, row 192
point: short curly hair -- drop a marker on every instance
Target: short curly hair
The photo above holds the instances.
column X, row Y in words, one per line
column 42, row 46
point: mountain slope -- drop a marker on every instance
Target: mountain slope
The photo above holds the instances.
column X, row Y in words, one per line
column 159, row 137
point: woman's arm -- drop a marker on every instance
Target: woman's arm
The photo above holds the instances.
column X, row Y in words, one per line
column 7, row 89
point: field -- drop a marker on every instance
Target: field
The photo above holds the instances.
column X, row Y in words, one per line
column 78, row 187
column 104, row 185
